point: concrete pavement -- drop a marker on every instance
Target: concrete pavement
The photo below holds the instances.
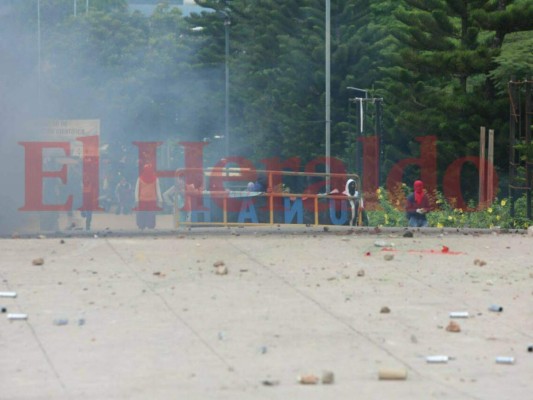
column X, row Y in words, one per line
column 148, row 317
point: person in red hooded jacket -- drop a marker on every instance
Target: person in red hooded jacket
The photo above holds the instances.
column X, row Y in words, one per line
column 417, row 206
column 147, row 197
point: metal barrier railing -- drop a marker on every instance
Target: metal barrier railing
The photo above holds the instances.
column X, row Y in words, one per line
column 218, row 206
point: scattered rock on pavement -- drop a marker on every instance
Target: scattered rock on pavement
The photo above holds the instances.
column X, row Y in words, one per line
column 269, row 382
column 361, row 272
column 222, row 270
column 392, row 374
column 328, row 377
column 308, row 379
column 38, row 261
column 453, row 327
column 479, row 262
column 408, row 234
column 218, row 263
column 388, row 257
column 384, row 310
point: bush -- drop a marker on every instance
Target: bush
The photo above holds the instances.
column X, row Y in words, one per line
column 392, row 204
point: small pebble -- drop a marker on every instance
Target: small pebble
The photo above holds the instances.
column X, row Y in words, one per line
column 308, row 379
column 38, row 261
column 328, row 377
column 453, row 327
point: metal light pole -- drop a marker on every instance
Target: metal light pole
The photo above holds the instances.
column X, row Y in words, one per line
column 39, row 57
column 360, row 100
column 227, row 23
column 328, row 95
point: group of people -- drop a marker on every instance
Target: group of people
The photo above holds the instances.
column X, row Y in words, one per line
column 148, row 200
column 148, row 197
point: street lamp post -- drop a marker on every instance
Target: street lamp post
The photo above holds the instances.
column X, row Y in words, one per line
column 328, row 95
column 39, row 57
column 227, row 23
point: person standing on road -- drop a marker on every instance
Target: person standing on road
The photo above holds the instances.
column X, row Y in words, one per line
column 123, row 196
column 176, row 197
column 417, row 206
column 147, row 197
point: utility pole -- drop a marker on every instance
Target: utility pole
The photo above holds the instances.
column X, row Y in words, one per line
column 227, row 23
column 328, row 95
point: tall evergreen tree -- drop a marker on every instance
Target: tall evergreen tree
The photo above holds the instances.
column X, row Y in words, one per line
column 439, row 86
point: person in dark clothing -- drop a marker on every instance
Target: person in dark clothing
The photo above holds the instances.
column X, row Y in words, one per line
column 124, row 196
column 417, row 206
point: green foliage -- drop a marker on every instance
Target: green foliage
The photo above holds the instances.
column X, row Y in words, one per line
column 515, row 59
column 444, row 215
column 441, row 67
column 391, row 211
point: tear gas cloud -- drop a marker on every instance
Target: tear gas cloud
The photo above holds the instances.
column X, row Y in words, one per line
column 41, row 79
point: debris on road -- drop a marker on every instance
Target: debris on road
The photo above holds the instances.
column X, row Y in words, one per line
column 308, row 379
column 504, row 360
column 8, row 294
column 392, row 374
column 384, row 310
column 479, row 262
column 60, row 321
column 38, row 261
column 495, row 308
column 453, row 327
column 222, row 270
column 388, row 257
column 438, row 359
column 361, row 272
column 16, row 316
column 328, row 378
column 269, row 382
column 459, row 314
